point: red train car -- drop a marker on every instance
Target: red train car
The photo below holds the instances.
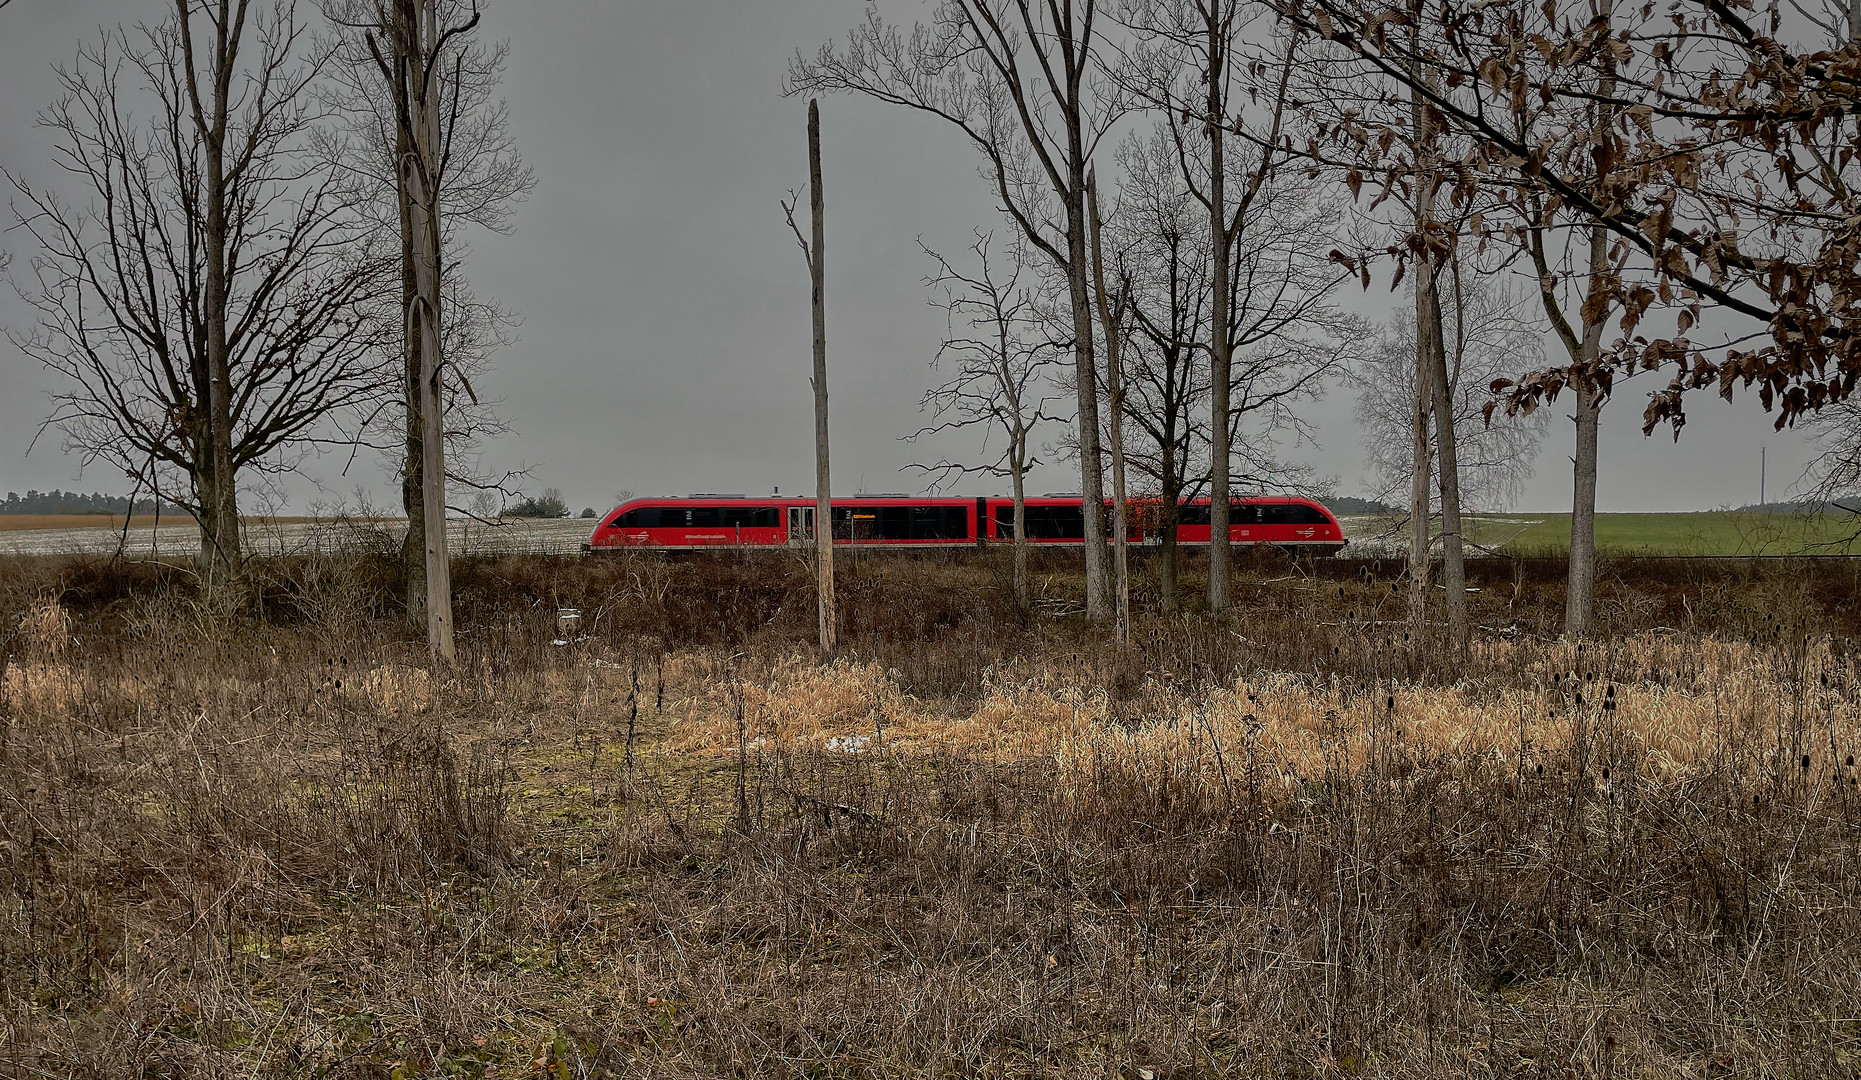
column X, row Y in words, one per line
column 904, row 521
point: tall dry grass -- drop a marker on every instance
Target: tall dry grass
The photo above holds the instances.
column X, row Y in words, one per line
column 984, row 843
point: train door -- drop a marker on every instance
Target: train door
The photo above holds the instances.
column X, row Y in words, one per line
column 801, row 524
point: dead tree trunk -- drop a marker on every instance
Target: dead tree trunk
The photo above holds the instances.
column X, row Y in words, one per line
column 823, row 482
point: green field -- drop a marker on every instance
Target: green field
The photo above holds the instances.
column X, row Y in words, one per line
column 1716, row 533
column 1709, row 533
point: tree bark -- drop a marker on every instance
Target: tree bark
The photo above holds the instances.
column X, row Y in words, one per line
column 1121, row 562
column 1020, row 536
column 823, row 483
column 1220, row 354
column 1453, row 562
column 1433, row 384
column 413, row 470
column 421, row 170
column 1581, row 584
column 1420, row 550
column 1085, row 370
column 220, row 547
column 1110, row 316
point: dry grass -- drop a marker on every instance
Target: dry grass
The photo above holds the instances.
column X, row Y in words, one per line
column 977, row 845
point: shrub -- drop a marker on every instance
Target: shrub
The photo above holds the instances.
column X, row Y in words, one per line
column 549, row 504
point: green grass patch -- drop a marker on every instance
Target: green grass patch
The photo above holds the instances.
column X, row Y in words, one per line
column 1714, row 533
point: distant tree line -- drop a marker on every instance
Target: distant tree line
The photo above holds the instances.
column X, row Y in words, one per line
column 550, row 504
column 73, row 502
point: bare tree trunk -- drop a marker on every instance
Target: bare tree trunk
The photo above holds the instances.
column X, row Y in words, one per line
column 1453, row 562
column 220, row 550
column 413, row 470
column 1167, row 567
column 1220, row 355
column 1085, row 372
column 1581, row 584
column 1172, row 485
column 1020, row 536
column 823, row 483
column 1110, row 315
column 1420, row 551
column 421, row 169
column 1121, row 563
column 1433, row 384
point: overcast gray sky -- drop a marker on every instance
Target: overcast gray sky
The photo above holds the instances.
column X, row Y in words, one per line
column 664, row 345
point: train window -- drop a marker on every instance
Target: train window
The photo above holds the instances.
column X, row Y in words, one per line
column 703, row 517
column 1239, row 513
column 894, row 522
column 643, row 517
column 939, row 523
column 749, row 517
column 1056, row 523
column 1293, row 514
column 1043, row 522
column 856, row 522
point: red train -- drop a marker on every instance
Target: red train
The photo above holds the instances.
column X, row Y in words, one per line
column 903, row 521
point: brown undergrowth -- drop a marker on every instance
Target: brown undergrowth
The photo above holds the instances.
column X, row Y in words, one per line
column 268, row 841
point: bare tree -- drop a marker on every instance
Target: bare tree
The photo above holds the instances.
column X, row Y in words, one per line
column 1001, row 354
column 1286, row 333
column 409, row 57
column 1414, row 157
column 201, row 303
column 1583, row 341
column 1489, row 336
column 1018, row 79
column 480, row 178
column 1192, row 68
column 1430, row 244
column 815, row 252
